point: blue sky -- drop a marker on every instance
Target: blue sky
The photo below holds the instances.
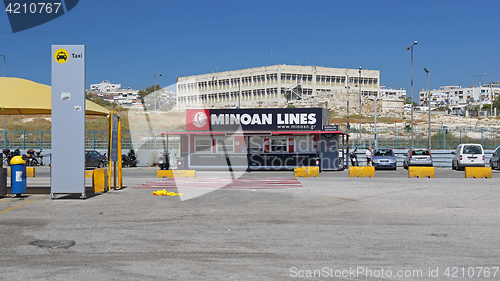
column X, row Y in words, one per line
column 128, row 42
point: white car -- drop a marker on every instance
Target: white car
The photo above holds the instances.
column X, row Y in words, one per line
column 467, row 155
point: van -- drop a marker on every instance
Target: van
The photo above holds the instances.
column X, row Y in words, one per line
column 467, row 155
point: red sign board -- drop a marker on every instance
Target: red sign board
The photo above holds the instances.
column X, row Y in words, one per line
column 197, row 119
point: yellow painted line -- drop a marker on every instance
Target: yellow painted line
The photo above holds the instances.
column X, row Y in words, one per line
column 5, row 211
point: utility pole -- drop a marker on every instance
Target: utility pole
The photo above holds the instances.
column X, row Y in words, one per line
column 359, row 83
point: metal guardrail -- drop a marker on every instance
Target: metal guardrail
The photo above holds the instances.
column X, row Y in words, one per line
column 441, row 158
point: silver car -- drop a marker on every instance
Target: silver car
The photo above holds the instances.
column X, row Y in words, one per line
column 467, row 155
column 417, row 157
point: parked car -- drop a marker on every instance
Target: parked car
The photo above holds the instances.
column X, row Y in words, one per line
column 94, row 159
column 384, row 158
column 467, row 155
column 495, row 159
column 417, row 157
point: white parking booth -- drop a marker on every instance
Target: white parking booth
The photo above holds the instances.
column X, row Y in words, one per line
column 260, row 139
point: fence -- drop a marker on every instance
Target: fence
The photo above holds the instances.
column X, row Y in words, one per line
column 96, row 140
column 442, row 138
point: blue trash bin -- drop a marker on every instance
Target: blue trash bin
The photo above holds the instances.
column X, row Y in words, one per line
column 18, row 175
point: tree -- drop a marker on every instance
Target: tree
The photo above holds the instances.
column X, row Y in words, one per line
column 407, row 101
column 496, row 104
column 149, row 90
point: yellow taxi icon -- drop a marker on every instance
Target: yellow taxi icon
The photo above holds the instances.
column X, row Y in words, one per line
column 61, row 56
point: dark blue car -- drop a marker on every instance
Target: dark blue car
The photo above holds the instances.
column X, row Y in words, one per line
column 384, row 158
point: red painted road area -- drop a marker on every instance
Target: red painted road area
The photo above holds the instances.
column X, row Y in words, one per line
column 250, row 183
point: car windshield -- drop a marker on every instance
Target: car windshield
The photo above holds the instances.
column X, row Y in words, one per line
column 472, row 149
column 421, row 152
column 383, row 152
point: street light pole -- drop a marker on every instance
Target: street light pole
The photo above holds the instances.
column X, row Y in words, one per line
column 429, row 102
column 4, row 122
column 411, row 48
column 154, row 96
column 480, row 94
column 347, row 87
column 359, row 83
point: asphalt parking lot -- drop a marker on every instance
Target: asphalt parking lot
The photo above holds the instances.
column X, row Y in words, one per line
column 332, row 227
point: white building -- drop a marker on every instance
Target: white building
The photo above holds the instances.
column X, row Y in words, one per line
column 273, row 84
column 454, row 96
column 392, row 93
column 105, row 87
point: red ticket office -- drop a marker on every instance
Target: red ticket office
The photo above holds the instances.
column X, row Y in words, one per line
column 218, row 139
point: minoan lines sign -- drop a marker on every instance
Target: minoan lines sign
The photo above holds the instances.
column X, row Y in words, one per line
column 254, row 119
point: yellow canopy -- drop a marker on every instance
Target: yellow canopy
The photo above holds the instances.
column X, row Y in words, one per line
column 21, row 96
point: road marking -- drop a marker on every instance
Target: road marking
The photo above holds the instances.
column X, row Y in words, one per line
column 4, row 211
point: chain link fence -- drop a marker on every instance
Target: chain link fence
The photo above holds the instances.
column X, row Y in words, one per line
column 442, row 138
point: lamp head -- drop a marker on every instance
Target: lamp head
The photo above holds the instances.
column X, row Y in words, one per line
column 426, row 71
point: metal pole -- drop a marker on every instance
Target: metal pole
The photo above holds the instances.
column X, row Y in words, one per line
column 154, row 96
column 359, row 83
column 4, row 122
column 429, row 101
column 411, row 48
column 375, row 119
column 347, row 87
column 480, row 94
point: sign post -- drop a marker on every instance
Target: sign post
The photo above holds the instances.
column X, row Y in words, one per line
column 68, row 120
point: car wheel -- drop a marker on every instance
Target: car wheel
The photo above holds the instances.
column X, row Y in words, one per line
column 453, row 166
column 99, row 165
column 498, row 165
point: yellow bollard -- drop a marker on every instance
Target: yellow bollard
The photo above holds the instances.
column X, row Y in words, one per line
column 100, row 180
column 478, row 172
column 176, row 174
column 421, row 172
column 362, row 172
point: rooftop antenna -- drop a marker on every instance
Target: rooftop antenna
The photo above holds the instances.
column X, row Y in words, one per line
column 271, row 56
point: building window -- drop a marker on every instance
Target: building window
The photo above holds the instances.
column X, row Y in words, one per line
column 225, row 145
column 279, row 145
column 203, row 145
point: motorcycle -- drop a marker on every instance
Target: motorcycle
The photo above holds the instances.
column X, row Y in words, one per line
column 129, row 159
column 30, row 158
column 39, row 156
column 8, row 156
column 164, row 161
column 354, row 157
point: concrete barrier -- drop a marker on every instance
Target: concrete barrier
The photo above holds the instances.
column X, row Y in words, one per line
column 100, row 180
column 362, row 172
column 478, row 172
column 176, row 174
column 306, row 172
column 421, row 172
column 30, row 172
